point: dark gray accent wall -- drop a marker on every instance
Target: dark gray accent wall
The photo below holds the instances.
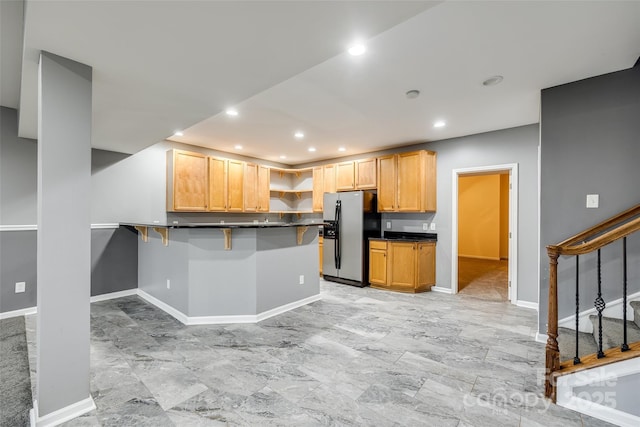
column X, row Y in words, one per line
column 17, row 264
column 590, row 144
column 114, row 260
column 18, row 178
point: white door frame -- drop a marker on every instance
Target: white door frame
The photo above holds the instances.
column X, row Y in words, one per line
column 512, row 168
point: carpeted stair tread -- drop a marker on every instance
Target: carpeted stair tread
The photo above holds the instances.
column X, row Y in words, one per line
column 612, row 331
column 567, row 344
column 635, row 305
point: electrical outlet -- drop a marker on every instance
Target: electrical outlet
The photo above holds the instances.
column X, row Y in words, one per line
column 302, row 279
column 168, row 284
column 20, row 287
column 425, row 226
column 433, row 226
column 388, row 224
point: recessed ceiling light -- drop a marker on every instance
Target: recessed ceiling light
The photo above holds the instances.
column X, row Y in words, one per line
column 231, row 112
column 357, row 49
column 283, row 157
column 312, row 149
column 492, row 81
column 439, row 124
column 178, row 133
column 238, row 147
column 342, row 149
column 299, row 135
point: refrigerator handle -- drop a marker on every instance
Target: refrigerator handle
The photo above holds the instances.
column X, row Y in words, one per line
column 336, row 241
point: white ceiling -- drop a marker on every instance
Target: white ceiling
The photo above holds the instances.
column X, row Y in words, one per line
column 166, row 65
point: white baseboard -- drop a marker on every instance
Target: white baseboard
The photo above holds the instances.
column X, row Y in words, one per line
column 223, row 320
column 18, row 227
column 22, row 312
column 180, row 316
column 61, row 415
column 598, row 377
column 287, row 307
column 541, row 337
column 442, row 290
column 113, row 295
column 527, row 304
column 613, row 309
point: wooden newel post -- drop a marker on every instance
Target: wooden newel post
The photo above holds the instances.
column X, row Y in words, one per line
column 552, row 350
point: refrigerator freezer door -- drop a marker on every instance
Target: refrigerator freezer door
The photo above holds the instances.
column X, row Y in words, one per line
column 329, row 202
column 328, row 258
column 351, row 223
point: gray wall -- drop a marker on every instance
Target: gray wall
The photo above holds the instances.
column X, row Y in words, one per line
column 113, row 252
column 207, row 280
column 516, row 145
column 618, row 393
column 590, row 144
column 114, row 260
column 18, row 178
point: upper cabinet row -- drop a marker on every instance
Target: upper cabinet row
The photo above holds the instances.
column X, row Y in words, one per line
column 196, row 182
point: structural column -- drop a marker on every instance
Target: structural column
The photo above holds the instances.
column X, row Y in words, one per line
column 64, row 239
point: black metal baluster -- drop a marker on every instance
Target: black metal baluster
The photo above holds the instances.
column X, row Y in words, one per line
column 600, row 305
column 576, row 360
column 625, row 346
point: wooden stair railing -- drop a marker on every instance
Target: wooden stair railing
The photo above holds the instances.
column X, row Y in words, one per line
column 590, row 240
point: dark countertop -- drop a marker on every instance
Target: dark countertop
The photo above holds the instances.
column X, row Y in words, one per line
column 402, row 236
column 222, row 225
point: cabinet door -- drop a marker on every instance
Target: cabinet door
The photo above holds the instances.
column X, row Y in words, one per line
column 402, row 270
column 426, row 266
column 430, row 184
column 378, row 263
column 329, row 178
column 345, row 176
column 318, row 188
column 365, row 171
column 250, row 187
column 235, row 187
column 410, row 177
column 189, row 181
column 217, row 184
column 263, row 188
column 387, row 183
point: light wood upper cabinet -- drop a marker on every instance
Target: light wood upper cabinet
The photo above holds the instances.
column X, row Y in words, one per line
column 187, row 181
column 387, row 183
column 402, row 266
column 250, row 187
column 365, row 171
column 329, row 178
column 217, row 184
column 263, row 188
column 235, row 186
column 407, row 182
column 318, row 188
column 345, row 176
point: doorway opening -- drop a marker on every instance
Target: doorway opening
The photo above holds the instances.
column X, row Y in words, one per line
column 484, row 225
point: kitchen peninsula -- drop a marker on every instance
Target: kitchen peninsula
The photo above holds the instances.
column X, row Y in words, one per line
column 227, row 272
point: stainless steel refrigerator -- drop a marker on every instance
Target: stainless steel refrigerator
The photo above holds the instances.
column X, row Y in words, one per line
column 350, row 218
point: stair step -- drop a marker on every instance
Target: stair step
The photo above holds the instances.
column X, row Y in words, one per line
column 635, row 305
column 567, row 344
column 612, row 331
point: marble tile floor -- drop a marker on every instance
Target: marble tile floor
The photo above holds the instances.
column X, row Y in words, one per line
column 358, row 357
column 483, row 278
column 15, row 387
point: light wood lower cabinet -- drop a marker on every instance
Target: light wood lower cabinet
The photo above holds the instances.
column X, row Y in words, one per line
column 402, row 266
